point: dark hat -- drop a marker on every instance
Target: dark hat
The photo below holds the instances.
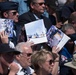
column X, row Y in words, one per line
column 4, row 48
column 52, row 3
column 8, row 5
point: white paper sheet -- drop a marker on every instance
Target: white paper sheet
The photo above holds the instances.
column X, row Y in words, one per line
column 36, row 31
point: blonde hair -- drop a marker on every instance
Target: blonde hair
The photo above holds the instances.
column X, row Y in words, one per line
column 39, row 57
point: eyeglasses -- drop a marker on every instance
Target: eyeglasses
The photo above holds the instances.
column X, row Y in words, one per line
column 50, row 61
column 40, row 3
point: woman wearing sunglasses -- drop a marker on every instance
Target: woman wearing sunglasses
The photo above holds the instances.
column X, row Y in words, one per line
column 44, row 63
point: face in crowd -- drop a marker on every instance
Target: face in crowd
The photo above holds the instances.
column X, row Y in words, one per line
column 42, row 61
column 38, row 6
column 69, row 30
column 11, row 14
column 25, row 57
column 7, row 58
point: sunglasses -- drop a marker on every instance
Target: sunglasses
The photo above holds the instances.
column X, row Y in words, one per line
column 28, row 54
column 40, row 3
column 50, row 61
column 14, row 12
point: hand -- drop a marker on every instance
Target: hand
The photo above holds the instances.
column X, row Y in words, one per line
column 55, row 50
column 30, row 43
column 14, row 68
column 4, row 37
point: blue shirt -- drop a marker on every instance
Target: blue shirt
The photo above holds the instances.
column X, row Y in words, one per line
column 23, row 7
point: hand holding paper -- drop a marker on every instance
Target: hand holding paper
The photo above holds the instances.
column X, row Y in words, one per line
column 36, row 31
column 56, row 37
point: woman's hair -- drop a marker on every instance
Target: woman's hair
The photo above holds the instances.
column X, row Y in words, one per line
column 39, row 57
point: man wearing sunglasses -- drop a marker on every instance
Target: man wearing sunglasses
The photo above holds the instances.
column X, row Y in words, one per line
column 9, row 11
column 37, row 8
column 24, row 59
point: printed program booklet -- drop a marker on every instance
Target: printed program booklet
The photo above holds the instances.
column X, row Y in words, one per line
column 7, row 26
column 56, row 37
column 36, row 31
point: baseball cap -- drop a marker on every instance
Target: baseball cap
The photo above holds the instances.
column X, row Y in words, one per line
column 8, row 5
column 5, row 48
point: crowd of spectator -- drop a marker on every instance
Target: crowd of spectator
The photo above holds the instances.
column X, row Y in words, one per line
column 19, row 56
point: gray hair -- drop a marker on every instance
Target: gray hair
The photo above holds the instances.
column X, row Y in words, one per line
column 67, row 26
column 20, row 46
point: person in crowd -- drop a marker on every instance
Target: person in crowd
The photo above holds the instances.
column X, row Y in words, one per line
column 24, row 59
column 9, row 11
column 69, row 30
column 37, row 8
column 72, row 64
column 67, row 51
column 6, row 58
column 72, row 19
column 2, row 1
column 68, row 8
column 23, row 6
column 43, row 62
column 52, row 8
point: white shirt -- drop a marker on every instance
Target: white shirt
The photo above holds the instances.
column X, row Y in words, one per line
column 29, row 70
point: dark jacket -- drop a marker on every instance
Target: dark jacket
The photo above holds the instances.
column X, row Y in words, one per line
column 29, row 17
column 67, row 10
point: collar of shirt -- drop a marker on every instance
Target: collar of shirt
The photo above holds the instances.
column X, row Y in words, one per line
column 20, row 72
